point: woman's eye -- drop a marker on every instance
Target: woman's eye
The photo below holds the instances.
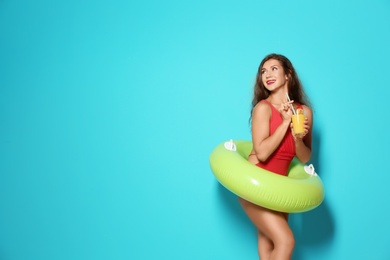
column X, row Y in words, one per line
column 274, row 68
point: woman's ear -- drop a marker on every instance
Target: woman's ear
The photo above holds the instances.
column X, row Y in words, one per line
column 288, row 75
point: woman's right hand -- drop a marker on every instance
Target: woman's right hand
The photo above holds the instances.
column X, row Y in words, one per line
column 285, row 110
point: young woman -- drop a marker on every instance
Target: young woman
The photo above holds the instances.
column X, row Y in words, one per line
column 274, row 146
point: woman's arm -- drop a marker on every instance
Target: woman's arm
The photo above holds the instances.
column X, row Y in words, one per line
column 263, row 143
column 303, row 142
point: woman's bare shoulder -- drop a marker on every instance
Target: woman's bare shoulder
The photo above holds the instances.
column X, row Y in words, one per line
column 307, row 110
column 261, row 108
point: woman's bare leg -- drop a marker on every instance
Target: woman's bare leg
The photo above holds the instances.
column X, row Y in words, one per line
column 265, row 246
column 276, row 240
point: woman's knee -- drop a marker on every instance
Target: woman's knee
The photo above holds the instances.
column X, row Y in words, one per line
column 287, row 242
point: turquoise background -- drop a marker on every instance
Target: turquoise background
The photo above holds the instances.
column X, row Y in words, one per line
column 109, row 111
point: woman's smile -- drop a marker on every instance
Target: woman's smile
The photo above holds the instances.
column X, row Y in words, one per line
column 270, row 82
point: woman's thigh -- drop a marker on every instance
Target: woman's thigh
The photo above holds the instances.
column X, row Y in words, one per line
column 272, row 224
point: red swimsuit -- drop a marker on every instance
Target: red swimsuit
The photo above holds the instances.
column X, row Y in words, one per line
column 280, row 160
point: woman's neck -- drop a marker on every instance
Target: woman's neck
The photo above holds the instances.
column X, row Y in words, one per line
column 278, row 96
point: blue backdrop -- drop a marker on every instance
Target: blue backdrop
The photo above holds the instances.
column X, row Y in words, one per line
column 109, row 111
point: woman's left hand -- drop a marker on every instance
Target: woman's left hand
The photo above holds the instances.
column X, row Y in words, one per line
column 300, row 136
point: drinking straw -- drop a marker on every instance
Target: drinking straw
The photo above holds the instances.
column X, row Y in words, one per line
column 292, row 107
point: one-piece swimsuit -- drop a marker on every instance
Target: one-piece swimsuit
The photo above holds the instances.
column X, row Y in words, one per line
column 281, row 158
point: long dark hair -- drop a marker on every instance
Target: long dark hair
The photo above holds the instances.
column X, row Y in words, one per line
column 295, row 88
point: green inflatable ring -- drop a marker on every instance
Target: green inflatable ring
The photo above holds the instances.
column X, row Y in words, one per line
column 301, row 190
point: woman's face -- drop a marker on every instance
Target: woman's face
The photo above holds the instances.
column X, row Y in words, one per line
column 273, row 75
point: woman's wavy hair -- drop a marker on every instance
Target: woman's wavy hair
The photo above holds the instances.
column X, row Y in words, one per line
column 295, row 88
